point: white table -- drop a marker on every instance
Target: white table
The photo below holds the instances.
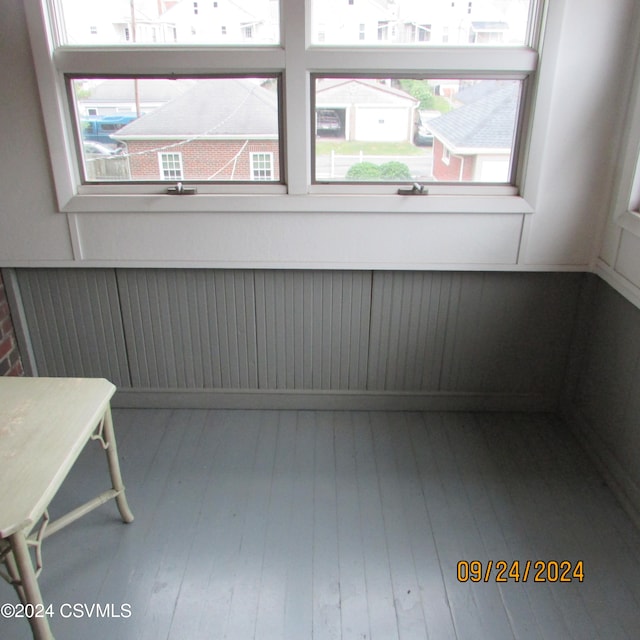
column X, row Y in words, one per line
column 44, row 425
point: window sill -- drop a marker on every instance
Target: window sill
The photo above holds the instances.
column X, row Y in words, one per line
column 307, row 203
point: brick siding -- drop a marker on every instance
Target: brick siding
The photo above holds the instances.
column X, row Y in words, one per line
column 10, row 361
column 451, row 172
column 201, row 159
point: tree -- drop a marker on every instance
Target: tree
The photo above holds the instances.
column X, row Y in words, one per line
column 420, row 90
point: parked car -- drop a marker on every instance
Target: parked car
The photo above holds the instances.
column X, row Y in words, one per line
column 328, row 121
column 423, row 137
column 100, row 128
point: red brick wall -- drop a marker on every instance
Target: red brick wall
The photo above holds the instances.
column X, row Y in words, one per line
column 451, row 172
column 201, row 159
column 10, row 362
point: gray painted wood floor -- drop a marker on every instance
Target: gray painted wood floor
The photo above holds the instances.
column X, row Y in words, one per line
column 299, row 525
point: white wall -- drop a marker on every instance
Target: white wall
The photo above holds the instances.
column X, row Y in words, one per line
column 582, row 93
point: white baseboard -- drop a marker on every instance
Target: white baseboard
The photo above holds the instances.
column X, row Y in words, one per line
column 330, row 400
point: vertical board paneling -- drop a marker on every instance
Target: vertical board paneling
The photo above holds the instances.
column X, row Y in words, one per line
column 408, row 329
column 313, row 329
column 510, row 333
column 74, row 323
column 190, row 329
column 505, row 333
column 473, row 332
column 606, row 388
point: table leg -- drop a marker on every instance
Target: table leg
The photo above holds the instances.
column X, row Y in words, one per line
column 114, row 467
column 29, row 582
column 14, row 574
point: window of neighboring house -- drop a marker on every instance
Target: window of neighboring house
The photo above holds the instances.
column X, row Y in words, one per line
column 170, row 166
column 261, row 166
column 366, row 102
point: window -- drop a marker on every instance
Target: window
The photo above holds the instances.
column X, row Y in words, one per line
column 262, row 166
column 382, row 87
column 407, row 129
column 210, row 122
column 170, row 166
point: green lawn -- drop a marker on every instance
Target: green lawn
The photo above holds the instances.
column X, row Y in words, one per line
column 348, row 148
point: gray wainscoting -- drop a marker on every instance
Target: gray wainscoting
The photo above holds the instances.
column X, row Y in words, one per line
column 603, row 397
column 459, row 340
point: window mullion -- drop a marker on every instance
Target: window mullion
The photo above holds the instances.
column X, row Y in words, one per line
column 297, row 96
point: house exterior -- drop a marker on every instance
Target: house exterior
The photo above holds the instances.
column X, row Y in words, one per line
column 172, row 21
column 248, row 22
column 369, row 110
column 473, row 142
column 221, row 129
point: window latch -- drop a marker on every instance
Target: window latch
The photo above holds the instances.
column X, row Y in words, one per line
column 181, row 190
column 415, row 190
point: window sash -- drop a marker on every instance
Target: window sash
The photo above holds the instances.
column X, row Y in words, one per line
column 296, row 60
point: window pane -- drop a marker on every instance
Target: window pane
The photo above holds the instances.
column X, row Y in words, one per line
column 419, row 22
column 150, row 129
column 407, row 130
column 127, row 22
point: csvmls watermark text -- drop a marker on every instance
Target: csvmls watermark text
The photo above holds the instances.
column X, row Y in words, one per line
column 66, row 610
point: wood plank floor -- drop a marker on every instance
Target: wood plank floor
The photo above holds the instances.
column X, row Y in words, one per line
column 339, row 525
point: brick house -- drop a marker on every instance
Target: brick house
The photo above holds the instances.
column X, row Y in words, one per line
column 473, row 143
column 221, row 129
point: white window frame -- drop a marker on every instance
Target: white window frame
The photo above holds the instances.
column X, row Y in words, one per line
column 627, row 207
column 255, row 156
column 175, row 155
column 296, row 59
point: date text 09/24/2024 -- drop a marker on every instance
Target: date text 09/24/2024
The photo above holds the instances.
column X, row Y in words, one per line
column 517, row 571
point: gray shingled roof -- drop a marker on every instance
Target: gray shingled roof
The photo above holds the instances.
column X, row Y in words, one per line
column 331, row 91
column 149, row 90
column 214, row 109
column 487, row 123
